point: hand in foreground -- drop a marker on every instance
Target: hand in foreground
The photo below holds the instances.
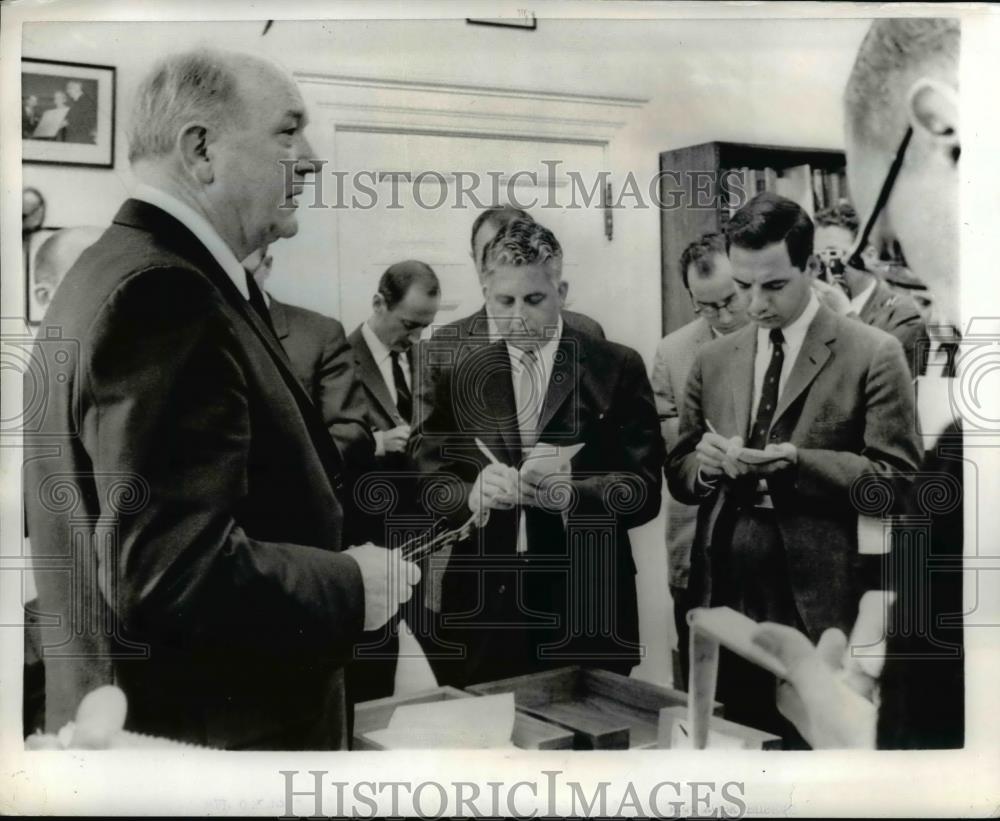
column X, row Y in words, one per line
column 832, row 296
column 787, row 455
column 543, row 487
column 392, row 441
column 494, row 489
column 388, row 581
column 715, row 455
column 818, row 696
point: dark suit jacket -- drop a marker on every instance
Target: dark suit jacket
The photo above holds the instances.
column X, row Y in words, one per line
column 323, row 361
column 184, row 487
column 81, row 121
column 571, row 598
column 380, row 413
column 847, row 407
column 899, row 315
column 923, row 683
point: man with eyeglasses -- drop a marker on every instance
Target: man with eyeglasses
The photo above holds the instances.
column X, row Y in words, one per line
column 781, row 420
column 721, row 308
column 903, row 147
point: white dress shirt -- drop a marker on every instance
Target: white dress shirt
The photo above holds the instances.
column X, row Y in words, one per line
column 795, row 335
column 858, row 302
column 383, row 358
column 201, row 228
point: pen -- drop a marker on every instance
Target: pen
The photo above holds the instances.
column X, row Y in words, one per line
column 710, row 426
column 486, row 451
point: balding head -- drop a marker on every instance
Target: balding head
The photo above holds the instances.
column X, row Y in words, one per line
column 201, row 86
column 57, row 255
column 224, row 133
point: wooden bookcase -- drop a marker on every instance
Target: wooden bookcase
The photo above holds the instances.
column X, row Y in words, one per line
column 699, row 186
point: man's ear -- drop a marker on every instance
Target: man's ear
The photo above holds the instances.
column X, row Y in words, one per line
column 378, row 302
column 933, row 111
column 195, row 154
column 563, row 289
column 42, row 295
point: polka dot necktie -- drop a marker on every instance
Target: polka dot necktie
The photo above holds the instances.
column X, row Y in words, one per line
column 769, row 393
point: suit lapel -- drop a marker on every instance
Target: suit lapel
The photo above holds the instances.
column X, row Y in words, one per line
column 279, row 317
column 566, row 367
column 741, row 376
column 369, row 373
column 811, row 359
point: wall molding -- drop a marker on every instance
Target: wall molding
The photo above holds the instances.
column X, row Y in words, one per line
column 388, row 83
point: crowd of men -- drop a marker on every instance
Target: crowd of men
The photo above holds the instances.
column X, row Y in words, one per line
column 241, row 473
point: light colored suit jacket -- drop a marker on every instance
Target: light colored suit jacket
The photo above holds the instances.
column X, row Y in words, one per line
column 671, row 366
column 848, row 409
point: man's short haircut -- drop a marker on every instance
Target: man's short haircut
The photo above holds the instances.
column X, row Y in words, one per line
column 769, row 218
column 523, row 242
column 839, row 216
column 499, row 215
column 701, row 254
column 398, row 278
column 894, row 54
column 199, row 85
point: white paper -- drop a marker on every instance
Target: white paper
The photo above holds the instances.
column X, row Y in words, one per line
column 481, row 723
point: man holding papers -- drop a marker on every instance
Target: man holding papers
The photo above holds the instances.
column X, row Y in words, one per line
column 781, row 421
column 554, row 435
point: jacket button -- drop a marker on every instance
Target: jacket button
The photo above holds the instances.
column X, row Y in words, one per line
column 502, row 588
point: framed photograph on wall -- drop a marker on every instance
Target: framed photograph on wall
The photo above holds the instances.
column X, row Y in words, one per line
column 36, row 294
column 67, row 113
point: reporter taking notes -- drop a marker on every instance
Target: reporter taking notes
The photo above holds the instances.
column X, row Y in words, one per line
column 805, row 403
column 902, row 101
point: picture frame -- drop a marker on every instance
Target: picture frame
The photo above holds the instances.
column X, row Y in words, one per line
column 67, row 113
column 34, row 308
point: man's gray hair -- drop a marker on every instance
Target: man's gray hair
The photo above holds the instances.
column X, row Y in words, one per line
column 894, row 54
column 198, row 85
column 524, row 242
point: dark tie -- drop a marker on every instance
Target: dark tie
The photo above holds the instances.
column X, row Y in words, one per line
column 404, row 399
column 257, row 301
column 769, row 393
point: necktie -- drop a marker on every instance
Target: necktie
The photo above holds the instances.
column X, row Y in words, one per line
column 257, row 301
column 530, row 394
column 404, row 399
column 769, row 392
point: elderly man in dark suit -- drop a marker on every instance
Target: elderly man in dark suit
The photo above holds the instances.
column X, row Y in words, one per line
column 550, row 580
column 180, row 480
column 403, row 306
column 821, row 402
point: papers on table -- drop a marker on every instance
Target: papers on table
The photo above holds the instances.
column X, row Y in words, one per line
column 484, row 723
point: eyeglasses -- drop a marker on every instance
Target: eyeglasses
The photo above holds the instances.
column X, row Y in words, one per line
column 855, row 260
column 713, row 309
